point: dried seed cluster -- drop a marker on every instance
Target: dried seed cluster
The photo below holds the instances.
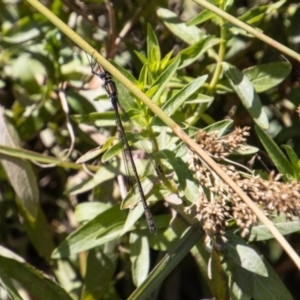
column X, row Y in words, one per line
column 218, row 204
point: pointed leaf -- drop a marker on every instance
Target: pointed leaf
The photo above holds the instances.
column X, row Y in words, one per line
column 165, row 77
column 195, row 51
column 202, row 17
column 139, row 257
column 276, row 155
column 106, row 227
column 167, row 264
column 247, row 273
column 189, row 34
column 179, row 98
column 238, row 252
column 153, row 50
column 264, row 77
column 244, row 89
column 32, row 280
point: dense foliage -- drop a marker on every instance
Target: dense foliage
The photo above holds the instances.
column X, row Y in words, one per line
column 68, row 227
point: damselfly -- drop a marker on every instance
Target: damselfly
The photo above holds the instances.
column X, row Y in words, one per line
column 112, row 92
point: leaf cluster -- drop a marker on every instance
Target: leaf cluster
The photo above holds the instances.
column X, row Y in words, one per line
column 60, row 158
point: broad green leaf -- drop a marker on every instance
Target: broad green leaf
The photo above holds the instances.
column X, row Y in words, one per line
column 189, row 34
column 24, row 183
column 19, row 171
column 92, row 154
column 27, row 68
column 185, row 177
column 104, row 228
column 200, row 99
column 150, row 188
column 238, row 252
column 256, row 286
column 101, row 266
column 87, row 211
column 194, row 52
column 264, row 77
column 5, row 280
column 25, row 31
column 78, row 103
column 202, row 17
column 285, row 227
column 244, row 89
column 276, row 155
column 222, row 127
column 133, row 216
column 139, row 257
column 113, row 151
column 67, row 277
column 102, row 175
column 32, row 280
column 180, row 97
column 211, row 269
column 167, row 264
column 127, row 102
column 167, row 236
column 99, row 119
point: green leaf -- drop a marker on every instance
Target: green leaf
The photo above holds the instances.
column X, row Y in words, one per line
column 139, row 257
column 167, row 264
column 92, row 154
column 238, row 252
column 254, row 15
column 294, row 159
column 222, row 127
column 256, row 286
column 262, row 233
column 32, row 280
column 102, row 175
column 276, row 155
column 99, row 119
column 113, row 151
column 153, row 50
column 244, row 89
column 104, row 228
column 78, row 103
column 150, row 190
column 265, row 77
column 87, row 211
column 202, row 17
column 165, row 61
column 181, row 96
column 189, row 34
column 195, row 51
column 101, row 266
column 164, row 78
column 185, row 177
column 125, row 72
column 24, row 183
column 19, row 172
